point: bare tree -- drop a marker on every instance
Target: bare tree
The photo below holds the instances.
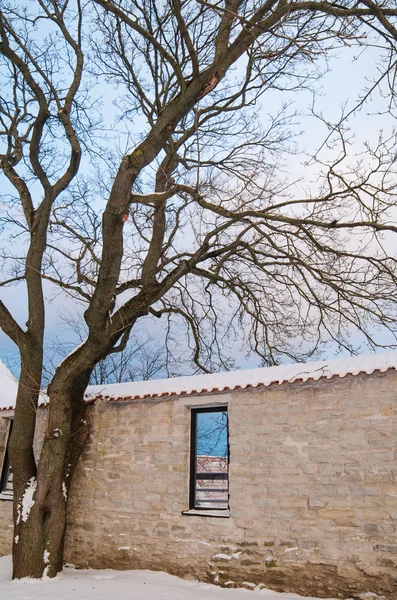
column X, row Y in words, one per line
column 142, row 358
column 197, row 220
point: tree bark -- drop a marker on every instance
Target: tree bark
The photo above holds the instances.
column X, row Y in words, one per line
column 40, row 508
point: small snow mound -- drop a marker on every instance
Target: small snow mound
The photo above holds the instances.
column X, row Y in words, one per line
column 128, row 585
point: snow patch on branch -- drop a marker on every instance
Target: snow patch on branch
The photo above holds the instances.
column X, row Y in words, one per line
column 72, row 352
column 158, row 194
column 18, row 514
column 64, row 491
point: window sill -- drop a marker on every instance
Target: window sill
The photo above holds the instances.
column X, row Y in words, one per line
column 6, row 497
column 196, row 512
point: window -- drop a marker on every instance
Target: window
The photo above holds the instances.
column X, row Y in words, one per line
column 6, row 487
column 209, row 469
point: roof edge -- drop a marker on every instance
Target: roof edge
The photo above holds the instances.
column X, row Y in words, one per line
column 217, row 383
column 126, row 398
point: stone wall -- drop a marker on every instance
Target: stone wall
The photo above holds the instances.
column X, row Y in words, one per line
column 313, row 492
column 6, row 527
column 5, row 505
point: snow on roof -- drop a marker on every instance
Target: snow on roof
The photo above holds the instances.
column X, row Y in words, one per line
column 250, row 378
column 219, row 382
column 8, row 387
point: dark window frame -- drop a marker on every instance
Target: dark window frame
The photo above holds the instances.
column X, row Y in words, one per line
column 5, row 471
column 193, row 457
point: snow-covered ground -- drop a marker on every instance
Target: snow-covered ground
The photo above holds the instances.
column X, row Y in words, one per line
column 121, row 585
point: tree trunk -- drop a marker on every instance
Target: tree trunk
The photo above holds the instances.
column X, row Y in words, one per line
column 40, row 510
column 38, row 548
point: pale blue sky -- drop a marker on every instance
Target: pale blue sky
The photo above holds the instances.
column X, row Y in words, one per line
column 342, row 85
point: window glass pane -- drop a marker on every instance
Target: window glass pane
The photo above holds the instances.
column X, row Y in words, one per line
column 212, row 460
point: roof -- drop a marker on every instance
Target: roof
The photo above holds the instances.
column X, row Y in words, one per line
column 250, row 378
column 220, row 382
column 8, row 387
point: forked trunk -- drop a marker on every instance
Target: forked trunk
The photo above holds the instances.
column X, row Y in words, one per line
column 40, row 510
column 38, row 547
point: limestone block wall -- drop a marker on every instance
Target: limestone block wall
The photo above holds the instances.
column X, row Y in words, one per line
column 6, row 526
column 313, row 494
column 5, row 506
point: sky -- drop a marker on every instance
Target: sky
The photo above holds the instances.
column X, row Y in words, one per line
column 211, row 432
column 349, row 73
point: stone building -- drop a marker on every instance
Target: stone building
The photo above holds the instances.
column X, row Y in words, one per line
column 8, row 394
column 293, row 486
